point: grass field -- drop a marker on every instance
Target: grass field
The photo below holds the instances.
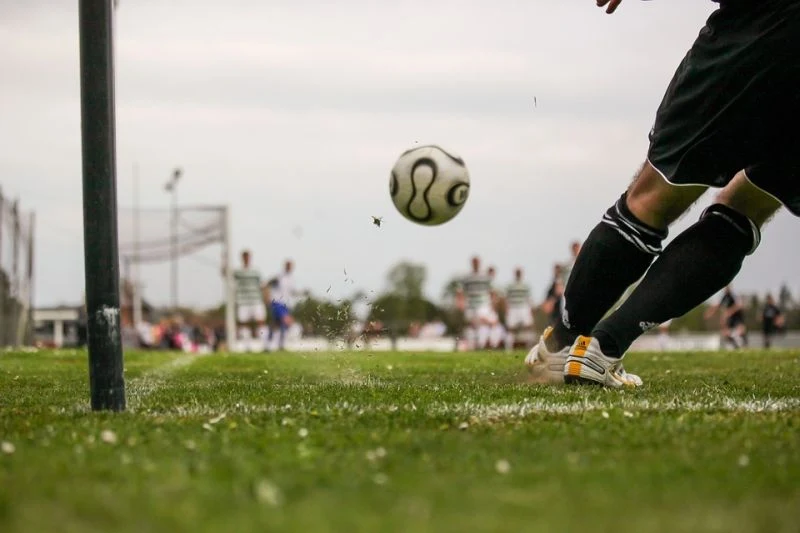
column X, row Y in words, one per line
column 400, row 442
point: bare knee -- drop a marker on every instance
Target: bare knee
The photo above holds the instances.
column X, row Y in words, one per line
column 657, row 202
column 744, row 197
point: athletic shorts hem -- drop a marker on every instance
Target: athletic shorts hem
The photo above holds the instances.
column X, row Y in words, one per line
column 793, row 210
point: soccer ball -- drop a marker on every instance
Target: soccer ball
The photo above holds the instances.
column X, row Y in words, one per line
column 428, row 185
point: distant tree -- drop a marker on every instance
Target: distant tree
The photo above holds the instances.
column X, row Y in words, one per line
column 752, row 311
column 785, row 299
column 450, row 289
column 332, row 320
column 407, row 280
column 694, row 320
column 404, row 302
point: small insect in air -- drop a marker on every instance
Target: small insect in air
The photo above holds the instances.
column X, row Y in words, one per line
column 377, row 221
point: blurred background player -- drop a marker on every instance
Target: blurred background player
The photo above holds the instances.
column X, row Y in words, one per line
column 663, row 335
column 497, row 331
column 519, row 311
column 772, row 321
column 732, row 324
column 553, row 300
column 474, row 298
column 282, row 295
column 566, row 268
column 250, row 309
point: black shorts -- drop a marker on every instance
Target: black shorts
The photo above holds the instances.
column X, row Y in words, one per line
column 734, row 103
column 735, row 321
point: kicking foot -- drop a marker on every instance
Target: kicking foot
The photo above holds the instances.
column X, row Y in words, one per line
column 546, row 366
column 586, row 364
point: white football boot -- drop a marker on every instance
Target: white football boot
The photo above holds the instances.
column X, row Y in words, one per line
column 586, row 363
column 546, row 366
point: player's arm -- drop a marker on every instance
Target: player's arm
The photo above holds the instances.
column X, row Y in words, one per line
column 549, row 302
column 494, row 296
column 735, row 308
column 710, row 311
column 780, row 319
column 610, row 5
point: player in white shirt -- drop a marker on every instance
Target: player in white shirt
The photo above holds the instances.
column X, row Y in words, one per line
column 474, row 297
column 497, row 331
column 250, row 308
column 519, row 309
column 282, row 297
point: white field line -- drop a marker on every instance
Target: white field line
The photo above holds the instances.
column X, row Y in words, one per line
column 496, row 411
column 140, row 388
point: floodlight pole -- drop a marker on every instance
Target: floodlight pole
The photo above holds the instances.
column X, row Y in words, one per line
column 101, row 248
column 172, row 187
column 230, row 312
column 137, row 286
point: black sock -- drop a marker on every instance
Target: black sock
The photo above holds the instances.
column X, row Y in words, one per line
column 616, row 254
column 697, row 264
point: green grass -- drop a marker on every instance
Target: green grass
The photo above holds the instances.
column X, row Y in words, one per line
column 400, row 442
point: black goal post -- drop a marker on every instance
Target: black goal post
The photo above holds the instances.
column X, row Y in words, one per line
column 101, row 253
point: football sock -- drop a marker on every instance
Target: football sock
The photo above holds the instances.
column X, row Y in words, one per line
column 496, row 334
column 698, row 263
column 471, row 334
column 263, row 334
column 509, row 341
column 282, row 336
column 616, row 254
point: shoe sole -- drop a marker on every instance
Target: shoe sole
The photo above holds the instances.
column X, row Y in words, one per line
column 578, row 380
column 573, row 374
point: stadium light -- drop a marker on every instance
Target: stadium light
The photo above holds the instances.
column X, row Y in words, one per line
column 172, row 188
column 101, row 248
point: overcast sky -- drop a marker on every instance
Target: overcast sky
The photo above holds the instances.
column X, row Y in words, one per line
column 293, row 112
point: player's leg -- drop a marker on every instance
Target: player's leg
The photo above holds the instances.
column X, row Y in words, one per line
column 700, row 262
column 260, row 317
column 522, row 326
column 513, row 328
column 483, row 328
column 742, row 330
column 511, row 332
column 728, row 336
column 619, row 250
column 283, row 325
column 616, row 254
column 274, row 324
column 496, row 336
column 471, row 329
column 727, row 108
column 242, row 329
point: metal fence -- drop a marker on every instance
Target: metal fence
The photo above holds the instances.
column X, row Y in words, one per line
column 16, row 273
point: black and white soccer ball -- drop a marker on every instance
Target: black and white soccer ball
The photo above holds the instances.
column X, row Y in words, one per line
column 429, row 185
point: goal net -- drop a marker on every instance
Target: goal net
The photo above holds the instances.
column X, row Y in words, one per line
column 16, row 273
column 176, row 261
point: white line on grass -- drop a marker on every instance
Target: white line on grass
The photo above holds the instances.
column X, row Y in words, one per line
column 140, row 388
column 497, row 411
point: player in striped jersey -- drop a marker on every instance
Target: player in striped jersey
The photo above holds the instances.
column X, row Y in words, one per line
column 474, row 298
column 497, row 331
column 250, row 308
column 519, row 309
